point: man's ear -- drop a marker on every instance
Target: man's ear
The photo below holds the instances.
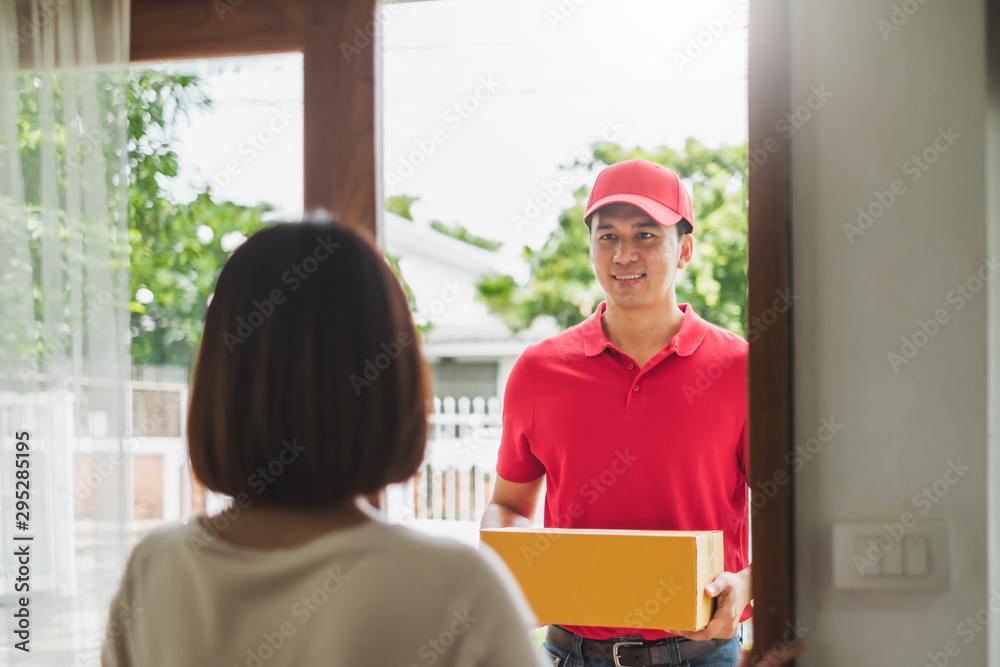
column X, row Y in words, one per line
column 687, row 251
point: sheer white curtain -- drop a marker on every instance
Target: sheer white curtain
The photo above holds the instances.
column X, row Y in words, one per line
column 64, row 341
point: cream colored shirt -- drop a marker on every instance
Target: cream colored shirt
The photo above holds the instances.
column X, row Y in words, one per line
column 374, row 595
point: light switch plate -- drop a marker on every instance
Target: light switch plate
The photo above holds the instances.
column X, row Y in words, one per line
column 888, row 555
column 917, row 551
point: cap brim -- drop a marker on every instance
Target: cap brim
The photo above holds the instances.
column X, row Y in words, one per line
column 654, row 209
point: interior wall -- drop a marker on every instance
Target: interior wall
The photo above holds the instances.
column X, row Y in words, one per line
column 875, row 83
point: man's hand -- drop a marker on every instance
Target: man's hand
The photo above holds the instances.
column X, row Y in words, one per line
column 732, row 593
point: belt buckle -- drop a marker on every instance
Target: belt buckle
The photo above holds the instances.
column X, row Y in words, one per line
column 614, row 651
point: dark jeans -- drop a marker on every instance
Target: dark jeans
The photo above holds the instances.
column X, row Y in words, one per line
column 726, row 655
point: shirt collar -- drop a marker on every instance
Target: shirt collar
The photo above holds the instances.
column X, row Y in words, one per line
column 686, row 341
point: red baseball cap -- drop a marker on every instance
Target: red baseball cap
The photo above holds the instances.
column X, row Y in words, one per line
column 655, row 189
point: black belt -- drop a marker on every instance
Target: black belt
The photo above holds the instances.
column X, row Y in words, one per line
column 626, row 652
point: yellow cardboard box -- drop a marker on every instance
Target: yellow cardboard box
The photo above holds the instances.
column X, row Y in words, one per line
column 613, row 578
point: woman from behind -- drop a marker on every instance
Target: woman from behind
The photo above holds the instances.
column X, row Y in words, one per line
column 309, row 393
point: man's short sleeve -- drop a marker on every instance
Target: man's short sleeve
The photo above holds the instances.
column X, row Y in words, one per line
column 516, row 462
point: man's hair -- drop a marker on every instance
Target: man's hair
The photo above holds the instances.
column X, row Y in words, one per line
column 309, row 386
column 683, row 226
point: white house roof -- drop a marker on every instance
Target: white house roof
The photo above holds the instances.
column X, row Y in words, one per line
column 442, row 272
column 407, row 237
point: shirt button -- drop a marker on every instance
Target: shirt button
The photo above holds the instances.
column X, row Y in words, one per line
column 631, row 367
column 635, row 387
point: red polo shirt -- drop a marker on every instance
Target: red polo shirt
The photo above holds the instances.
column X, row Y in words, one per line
column 662, row 447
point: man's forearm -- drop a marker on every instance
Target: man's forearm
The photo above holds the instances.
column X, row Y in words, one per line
column 501, row 516
column 513, row 504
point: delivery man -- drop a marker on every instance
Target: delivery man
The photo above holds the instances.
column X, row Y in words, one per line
column 635, row 419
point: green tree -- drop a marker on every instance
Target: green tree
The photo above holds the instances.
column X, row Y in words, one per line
column 177, row 250
column 173, row 265
column 400, row 205
column 562, row 282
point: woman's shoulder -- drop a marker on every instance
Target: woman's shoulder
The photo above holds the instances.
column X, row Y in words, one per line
column 414, row 542
column 478, row 577
column 166, row 537
column 442, row 559
column 375, row 543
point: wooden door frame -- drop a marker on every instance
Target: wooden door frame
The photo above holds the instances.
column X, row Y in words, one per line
column 339, row 43
column 341, row 175
column 769, row 280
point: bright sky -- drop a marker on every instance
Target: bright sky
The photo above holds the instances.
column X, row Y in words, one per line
column 484, row 100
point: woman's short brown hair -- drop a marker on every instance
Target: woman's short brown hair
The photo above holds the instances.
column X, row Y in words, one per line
column 309, row 387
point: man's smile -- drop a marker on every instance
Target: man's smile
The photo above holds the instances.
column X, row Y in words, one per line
column 627, row 277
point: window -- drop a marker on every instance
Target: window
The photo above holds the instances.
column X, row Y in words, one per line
column 340, row 175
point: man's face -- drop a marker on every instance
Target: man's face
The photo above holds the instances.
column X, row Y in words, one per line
column 635, row 258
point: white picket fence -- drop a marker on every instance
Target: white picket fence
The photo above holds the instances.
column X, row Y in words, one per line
column 455, row 480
